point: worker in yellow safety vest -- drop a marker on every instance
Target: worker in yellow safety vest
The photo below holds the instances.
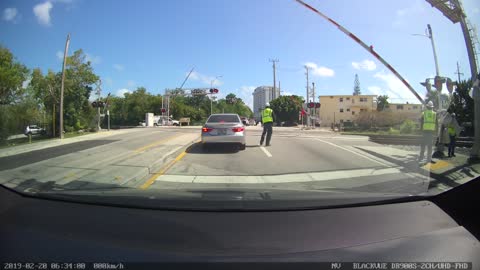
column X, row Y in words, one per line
column 428, row 124
column 453, row 131
column 267, row 121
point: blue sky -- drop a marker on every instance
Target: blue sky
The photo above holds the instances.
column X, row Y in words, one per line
column 155, row 43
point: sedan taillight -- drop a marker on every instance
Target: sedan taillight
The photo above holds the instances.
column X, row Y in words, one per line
column 238, row 129
column 205, row 129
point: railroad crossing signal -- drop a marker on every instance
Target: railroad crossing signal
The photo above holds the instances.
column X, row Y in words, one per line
column 213, row 91
column 313, row 105
column 98, row 104
column 163, row 110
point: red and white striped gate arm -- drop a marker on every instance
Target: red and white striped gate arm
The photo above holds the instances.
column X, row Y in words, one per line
column 366, row 47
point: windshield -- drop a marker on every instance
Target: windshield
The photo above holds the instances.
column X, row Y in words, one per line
column 301, row 101
column 223, row 118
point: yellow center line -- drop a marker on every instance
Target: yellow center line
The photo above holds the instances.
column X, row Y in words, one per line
column 152, row 179
column 143, row 148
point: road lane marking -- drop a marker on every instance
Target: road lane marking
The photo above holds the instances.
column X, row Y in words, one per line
column 353, row 152
column 143, row 148
column 151, row 180
column 265, row 151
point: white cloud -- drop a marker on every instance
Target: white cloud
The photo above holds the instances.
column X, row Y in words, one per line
column 122, row 92
column 375, row 90
column 42, row 12
column 320, row 71
column 118, row 67
column 59, row 55
column 94, row 60
column 393, row 87
column 405, row 14
column 195, row 76
column 9, row 14
column 131, row 83
column 245, row 93
column 365, row 65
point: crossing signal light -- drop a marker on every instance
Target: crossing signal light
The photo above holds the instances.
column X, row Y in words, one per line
column 94, row 104
column 163, row 110
column 214, row 91
column 450, row 85
column 317, row 105
column 311, row 105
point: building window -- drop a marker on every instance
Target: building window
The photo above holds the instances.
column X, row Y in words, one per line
column 331, row 96
column 363, row 99
column 353, row 113
column 399, row 107
column 341, row 99
column 341, row 121
column 363, row 110
column 348, row 98
column 415, row 107
column 341, row 110
column 348, row 109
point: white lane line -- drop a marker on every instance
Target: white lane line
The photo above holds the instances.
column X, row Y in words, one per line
column 266, row 151
column 353, row 152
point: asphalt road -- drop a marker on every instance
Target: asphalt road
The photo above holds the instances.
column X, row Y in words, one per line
column 172, row 158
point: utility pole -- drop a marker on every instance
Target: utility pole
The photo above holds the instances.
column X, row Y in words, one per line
column 279, row 89
column 308, row 93
column 274, row 92
column 314, row 109
column 458, row 72
column 63, row 84
column 99, row 91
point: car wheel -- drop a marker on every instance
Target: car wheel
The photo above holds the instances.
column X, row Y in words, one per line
column 243, row 146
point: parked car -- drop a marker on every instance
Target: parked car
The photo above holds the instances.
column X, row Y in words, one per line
column 224, row 129
column 34, row 130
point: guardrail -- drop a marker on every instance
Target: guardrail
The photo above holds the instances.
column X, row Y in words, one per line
column 414, row 140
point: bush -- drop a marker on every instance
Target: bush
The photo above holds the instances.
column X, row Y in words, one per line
column 69, row 129
column 407, row 127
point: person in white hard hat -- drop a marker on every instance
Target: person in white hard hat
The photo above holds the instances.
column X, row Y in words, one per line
column 453, row 131
column 267, row 121
column 428, row 125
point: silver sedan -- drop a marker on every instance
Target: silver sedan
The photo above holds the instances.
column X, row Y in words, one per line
column 224, row 129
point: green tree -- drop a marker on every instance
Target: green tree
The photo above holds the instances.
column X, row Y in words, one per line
column 286, row 108
column 461, row 102
column 382, row 103
column 12, row 76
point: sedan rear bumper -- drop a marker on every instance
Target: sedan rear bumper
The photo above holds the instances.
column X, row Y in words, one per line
column 240, row 139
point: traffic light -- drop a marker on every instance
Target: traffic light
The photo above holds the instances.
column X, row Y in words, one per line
column 317, row 105
column 101, row 104
column 163, row 110
column 214, row 91
column 311, row 105
column 94, row 104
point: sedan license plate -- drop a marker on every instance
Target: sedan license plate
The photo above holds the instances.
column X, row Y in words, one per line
column 222, row 131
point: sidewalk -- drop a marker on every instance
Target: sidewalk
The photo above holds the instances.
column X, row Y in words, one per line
column 445, row 172
column 14, row 150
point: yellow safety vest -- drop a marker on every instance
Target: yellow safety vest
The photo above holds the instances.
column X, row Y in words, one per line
column 429, row 117
column 451, row 130
column 267, row 115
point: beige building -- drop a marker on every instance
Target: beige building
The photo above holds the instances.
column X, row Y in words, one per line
column 408, row 111
column 344, row 108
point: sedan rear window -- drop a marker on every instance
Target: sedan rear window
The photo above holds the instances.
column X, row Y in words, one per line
column 223, row 118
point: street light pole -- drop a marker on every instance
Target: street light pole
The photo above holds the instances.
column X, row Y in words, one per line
column 211, row 94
